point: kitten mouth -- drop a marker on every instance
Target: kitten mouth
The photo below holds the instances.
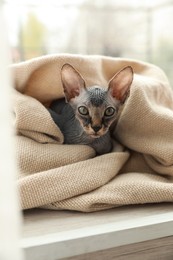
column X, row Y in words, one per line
column 95, row 135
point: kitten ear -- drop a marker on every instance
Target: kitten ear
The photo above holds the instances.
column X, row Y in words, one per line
column 72, row 82
column 119, row 85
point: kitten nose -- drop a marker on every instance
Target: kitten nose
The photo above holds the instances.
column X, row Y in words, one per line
column 96, row 128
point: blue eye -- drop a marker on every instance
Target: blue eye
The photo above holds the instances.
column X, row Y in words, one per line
column 109, row 111
column 83, row 110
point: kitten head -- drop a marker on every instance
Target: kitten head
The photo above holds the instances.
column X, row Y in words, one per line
column 95, row 107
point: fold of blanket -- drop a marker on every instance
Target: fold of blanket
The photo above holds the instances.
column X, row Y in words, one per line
column 58, row 176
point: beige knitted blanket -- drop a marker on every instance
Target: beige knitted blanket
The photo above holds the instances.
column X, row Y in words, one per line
column 57, row 176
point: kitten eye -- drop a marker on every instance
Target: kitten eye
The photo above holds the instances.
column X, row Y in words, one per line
column 109, row 111
column 83, row 110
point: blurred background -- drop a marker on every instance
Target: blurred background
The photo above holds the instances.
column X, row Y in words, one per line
column 139, row 29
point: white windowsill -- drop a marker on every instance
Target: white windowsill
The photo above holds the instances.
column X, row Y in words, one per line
column 52, row 235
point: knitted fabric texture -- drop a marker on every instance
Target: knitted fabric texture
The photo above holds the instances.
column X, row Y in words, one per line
column 57, row 176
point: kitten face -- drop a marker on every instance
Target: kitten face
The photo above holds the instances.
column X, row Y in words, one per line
column 95, row 107
column 96, row 110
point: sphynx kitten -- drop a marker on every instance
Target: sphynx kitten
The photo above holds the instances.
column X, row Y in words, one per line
column 85, row 115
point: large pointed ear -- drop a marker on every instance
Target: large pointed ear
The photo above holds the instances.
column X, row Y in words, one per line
column 72, row 82
column 119, row 85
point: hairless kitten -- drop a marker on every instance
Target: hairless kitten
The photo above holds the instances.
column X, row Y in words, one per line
column 85, row 114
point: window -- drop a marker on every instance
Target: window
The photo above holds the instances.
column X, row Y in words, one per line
column 131, row 29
